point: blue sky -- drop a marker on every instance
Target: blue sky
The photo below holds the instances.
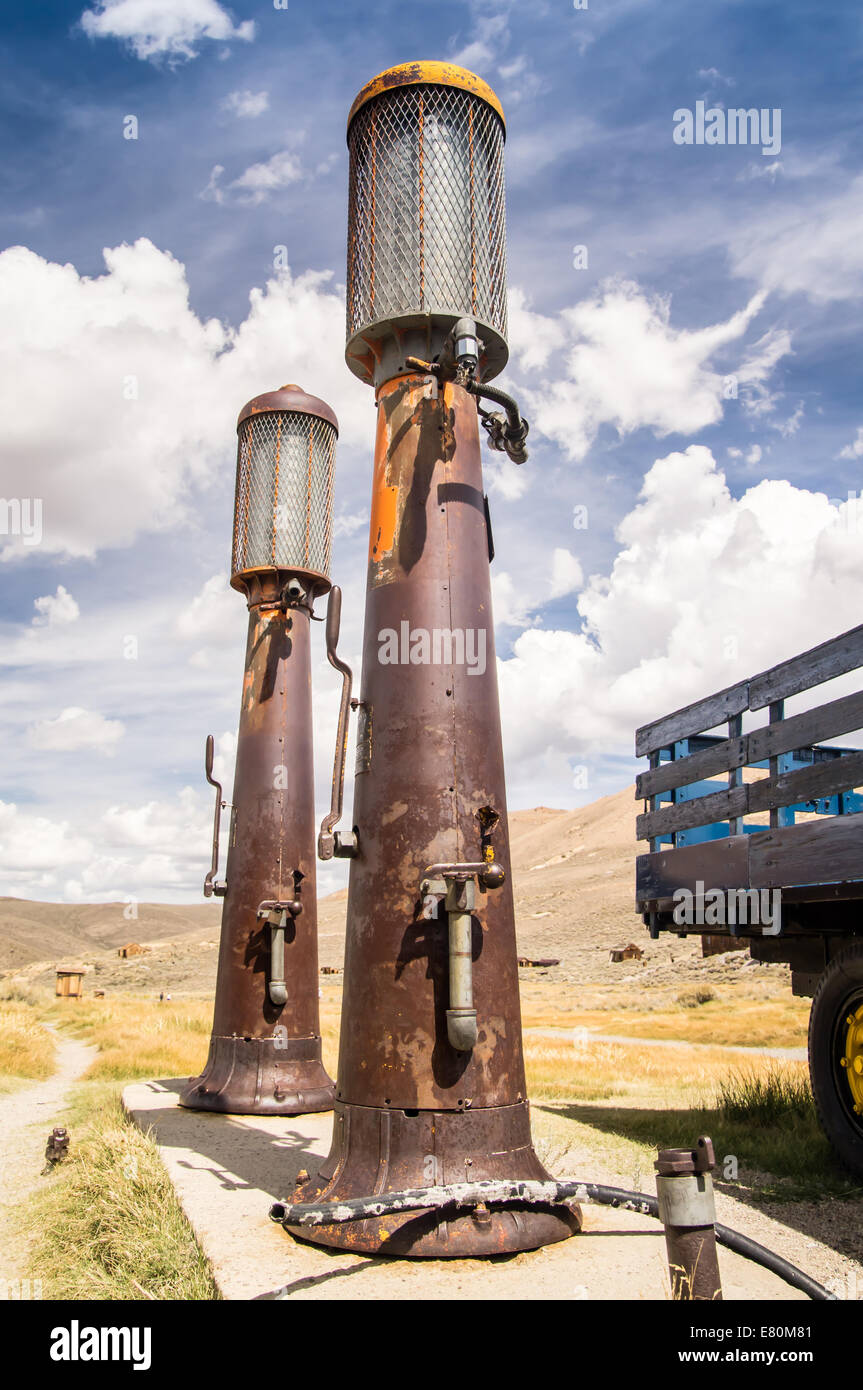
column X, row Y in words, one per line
column 711, row 547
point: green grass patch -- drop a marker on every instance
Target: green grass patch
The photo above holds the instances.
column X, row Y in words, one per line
column 107, row 1222
column 765, row 1131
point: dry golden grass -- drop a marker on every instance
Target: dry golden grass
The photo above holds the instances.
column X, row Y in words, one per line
column 581, row 1069
column 732, row 1019
column 26, row 1049
column 140, row 1038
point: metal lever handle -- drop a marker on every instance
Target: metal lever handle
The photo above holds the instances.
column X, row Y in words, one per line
column 456, row 884
column 212, row 888
column 329, row 844
column 277, row 914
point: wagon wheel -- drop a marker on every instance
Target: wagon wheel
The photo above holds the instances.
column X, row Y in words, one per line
column 836, row 1055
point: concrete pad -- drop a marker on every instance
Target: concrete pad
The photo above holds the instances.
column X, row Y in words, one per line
column 228, row 1169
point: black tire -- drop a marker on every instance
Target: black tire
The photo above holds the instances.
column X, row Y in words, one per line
column 839, row 993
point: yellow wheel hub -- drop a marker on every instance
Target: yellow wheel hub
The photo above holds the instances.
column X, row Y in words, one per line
column 852, row 1062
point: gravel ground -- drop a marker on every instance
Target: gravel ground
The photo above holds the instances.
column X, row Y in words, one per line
column 26, row 1120
column 821, row 1238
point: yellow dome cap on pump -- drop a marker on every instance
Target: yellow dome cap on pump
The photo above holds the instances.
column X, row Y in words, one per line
column 429, row 74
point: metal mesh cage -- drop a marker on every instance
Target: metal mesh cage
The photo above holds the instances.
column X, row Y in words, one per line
column 283, row 514
column 427, row 222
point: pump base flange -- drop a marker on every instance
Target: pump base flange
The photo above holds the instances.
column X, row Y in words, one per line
column 375, row 1151
column 261, row 1076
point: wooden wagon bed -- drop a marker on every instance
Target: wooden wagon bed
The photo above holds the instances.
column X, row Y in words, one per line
column 701, row 831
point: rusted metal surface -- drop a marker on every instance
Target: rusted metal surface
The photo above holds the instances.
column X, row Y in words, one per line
column 265, row 1057
column 411, row 1108
column 684, row 1187
column 327, row 839
column 427, row 73
column 289, row 397
column 376, row 1151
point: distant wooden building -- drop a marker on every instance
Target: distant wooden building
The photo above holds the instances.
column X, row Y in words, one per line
column 132, row 948
column 69, row 981
column 630, row 952
column 525, row 962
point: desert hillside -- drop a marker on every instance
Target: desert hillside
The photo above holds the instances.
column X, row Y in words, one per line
column 573, row 874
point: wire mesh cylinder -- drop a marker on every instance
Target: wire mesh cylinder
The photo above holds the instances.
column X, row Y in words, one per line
column 284, row 497
column 427, row 222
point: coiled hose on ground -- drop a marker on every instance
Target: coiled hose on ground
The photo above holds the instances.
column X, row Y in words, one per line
column 532, row 1193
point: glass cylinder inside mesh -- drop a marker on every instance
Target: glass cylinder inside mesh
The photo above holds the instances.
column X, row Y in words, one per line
column 427, row 227
column 283, row 509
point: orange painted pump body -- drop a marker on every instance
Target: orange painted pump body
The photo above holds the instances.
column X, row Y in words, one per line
column 410, row 1108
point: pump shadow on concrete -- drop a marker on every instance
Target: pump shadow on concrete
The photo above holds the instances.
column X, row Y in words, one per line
column 250, row 1152
column 227, row 1171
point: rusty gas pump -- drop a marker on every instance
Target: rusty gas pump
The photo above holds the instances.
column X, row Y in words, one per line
column 265, row 1050
column 431, row 1086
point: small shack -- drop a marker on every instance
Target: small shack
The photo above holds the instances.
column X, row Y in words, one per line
column 132, row 948
column 526, row 963
column 630, row 952
column 69, row 981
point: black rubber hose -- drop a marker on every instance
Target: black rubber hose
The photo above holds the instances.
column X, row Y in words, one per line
column 533, row 1193
column 494, row 393
column 516, row 430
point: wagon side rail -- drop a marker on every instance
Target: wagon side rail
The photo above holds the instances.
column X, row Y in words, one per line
column 682, row 807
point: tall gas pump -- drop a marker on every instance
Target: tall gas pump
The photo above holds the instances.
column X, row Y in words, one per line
column 265, row 1049
column 431, row 1084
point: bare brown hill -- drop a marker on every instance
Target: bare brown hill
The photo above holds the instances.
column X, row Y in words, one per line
column 34, row 931
column 573, row 875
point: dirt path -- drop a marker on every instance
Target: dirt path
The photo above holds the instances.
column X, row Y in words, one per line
column 26, row 1119
column 780, row 1054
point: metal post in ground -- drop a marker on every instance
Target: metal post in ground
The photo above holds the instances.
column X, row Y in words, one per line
column 684, row 1188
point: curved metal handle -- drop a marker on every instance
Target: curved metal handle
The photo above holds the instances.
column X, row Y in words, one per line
column 326, row 838
column 211, row 887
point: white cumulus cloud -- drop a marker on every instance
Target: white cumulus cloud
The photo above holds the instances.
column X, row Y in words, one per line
column 169, row 29
column 119, row 401
column 854, row 450
column 246, row 104
column 625, row 364
column 76, row 728
column 55, row 610
column 706, row 589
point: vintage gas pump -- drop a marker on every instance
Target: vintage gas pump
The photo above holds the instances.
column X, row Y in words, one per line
column 431, row 1087
column 265, row 1050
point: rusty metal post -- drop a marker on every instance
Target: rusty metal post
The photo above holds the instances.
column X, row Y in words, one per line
column 431, row 1086
column 684, row 1187
column 265, row 1050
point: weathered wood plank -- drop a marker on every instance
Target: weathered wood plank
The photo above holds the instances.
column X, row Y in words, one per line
column 722, row 757
column 807, row 783
column 834, row 658
column 692, row 719
column 735, row 774
column 704, row 810
column 802, row 730
column 715, row 864
column 819, row 851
